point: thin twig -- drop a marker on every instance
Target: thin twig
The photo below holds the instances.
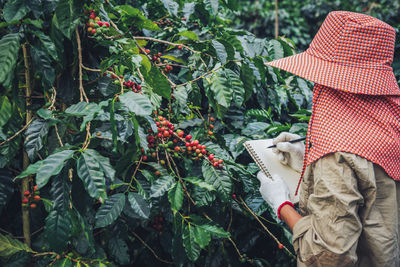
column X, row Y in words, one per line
column 236, row 248
column 17, row 133
column 81, row 90
column 166, row 42
column 200, row 77
column 152, row 251
column 264, row 227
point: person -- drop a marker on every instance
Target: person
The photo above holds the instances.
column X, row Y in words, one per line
column 350, row 165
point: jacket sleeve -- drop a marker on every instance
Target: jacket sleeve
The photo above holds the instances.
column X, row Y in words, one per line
column 328, row 235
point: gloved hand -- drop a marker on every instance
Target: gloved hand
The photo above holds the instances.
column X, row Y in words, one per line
column 275, row 192
column 289, row 154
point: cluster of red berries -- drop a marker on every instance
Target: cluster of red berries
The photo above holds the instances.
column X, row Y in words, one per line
column 137, row 88
column 95, row 25
column 168, row 68
column 158, row 222
column 163, row 22
column 30, row 198
column 162, row 139
column 156, row 57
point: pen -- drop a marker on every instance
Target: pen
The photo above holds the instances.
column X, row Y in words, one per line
column 291, row 141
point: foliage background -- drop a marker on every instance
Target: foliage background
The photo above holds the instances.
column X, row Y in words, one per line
column 101, row 202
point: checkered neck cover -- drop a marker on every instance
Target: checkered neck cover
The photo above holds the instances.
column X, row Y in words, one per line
column 366, row 125
column 351, row 52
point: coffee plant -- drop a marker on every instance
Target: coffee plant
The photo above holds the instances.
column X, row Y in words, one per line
column 121, row 134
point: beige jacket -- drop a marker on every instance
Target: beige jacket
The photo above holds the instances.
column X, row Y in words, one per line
column 351, row 214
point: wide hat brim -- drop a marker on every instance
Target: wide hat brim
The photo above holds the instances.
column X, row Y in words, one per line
column 359, row 80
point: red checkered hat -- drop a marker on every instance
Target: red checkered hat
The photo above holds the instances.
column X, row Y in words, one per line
column 351, row 52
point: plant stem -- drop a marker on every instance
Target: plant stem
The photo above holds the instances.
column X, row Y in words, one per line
column 28, row 119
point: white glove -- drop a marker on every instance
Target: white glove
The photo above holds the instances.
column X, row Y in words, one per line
column 275, row 192
column 289, row 154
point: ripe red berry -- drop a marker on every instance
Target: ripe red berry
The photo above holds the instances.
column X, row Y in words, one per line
column 138, row 87
column 280, row 246
column 27, row 193
column 25, row 201
column 159, row 54
column 188, row 137
column 144, row 157
column 175, row 141
column 157, row 123
column 147, row 51
column 35, row 188
column 177, row 148
column 93, row 31
column 159, row 135
column 181, row 133
column 234, row 195
column 154, row 58
column 33, row 206
column 187, row 144
column 179, row 47
column 215, row 164
column 211, row 157
column 195, row 142
column 107, row 24
column 212, row 119
column 36, row 198
column 92, row 16
column 100, row 23
column 210, row 133
column 220, row 161
column 157, row 173
column 166, row 133
column 197, row 151
column 203, row 151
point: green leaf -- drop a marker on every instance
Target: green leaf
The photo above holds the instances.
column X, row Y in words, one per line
column 174, row 59
column 80, row 109
column 52, row 165
column 5, row 110
column 191, row 247
column 10, row 246
column 139, row 205
column 161, row 185
column 219, row 179
column 158, row 82
column 9, row 47
column 92, row 176
column 66, row 17
column 248, row 79
column 15, row 10
column 222, row 93
column 175, row 196
column 110, row 210
column 188, row 10
column 145, row 63
column 59, row 191
column 57, row 230
column 32, row 168
column 189, row 34
column 212, row 6
column 214, row 230
column 104, row 163
column 136, row 103
column 221, row 52
column 171, row 6
column 45, row 114
column 200, row 183
column 47, row 43
column 43, row 66
column 6, row 187
column 237, row 87
column 63, row 262
column 201, row 236
column 276, row 49
column 119, row 250
column 34, row 135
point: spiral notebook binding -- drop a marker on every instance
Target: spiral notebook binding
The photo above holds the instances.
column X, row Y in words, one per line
column 257, row 159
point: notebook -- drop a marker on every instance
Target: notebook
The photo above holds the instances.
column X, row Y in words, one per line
column 269, row 164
